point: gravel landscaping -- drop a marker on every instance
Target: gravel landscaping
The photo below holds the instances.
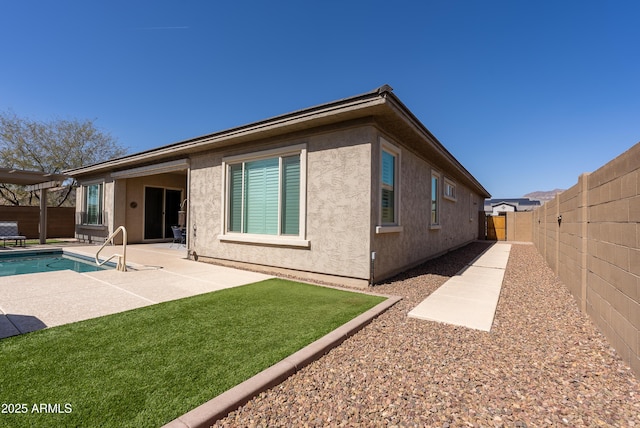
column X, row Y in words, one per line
column 544, row 363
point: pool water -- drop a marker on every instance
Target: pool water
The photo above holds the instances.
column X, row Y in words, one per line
column 49, row 262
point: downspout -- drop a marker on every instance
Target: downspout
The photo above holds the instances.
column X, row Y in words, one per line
column 372, row 268
column 190, row 237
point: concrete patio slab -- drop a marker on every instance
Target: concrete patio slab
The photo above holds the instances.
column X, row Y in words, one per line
column 35, row 285
column 470, row 298
column 157, row 274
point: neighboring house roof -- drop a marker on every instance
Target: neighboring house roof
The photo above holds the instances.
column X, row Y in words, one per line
column 520, row 204
column 504, row 203
column 381, row 105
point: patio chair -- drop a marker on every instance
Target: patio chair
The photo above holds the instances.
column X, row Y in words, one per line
column 178, row 236
column 9, row 232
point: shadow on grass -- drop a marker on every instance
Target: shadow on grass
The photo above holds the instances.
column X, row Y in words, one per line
column 19, row 324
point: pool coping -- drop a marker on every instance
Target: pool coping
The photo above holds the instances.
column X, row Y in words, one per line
column 53, row 250
column 29, row 251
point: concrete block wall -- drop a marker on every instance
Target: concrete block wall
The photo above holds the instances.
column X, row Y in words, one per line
column 520, row 226
column 595, row 248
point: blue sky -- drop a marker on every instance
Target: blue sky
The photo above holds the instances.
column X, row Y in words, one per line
column 527, row 95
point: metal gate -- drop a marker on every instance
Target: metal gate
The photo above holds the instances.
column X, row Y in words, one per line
column 497, row 228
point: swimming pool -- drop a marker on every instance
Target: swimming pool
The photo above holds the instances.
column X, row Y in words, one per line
column 35, row 262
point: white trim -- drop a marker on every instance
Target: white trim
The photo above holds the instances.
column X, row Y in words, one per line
column 389, row 229
column 265, row 154
column 452, row 184
column 302, row 222
column 159, row 168
column 282, row 240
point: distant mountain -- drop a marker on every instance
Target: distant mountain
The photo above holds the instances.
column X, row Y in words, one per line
column 543, row 196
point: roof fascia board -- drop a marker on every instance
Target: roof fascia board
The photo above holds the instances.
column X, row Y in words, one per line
column 279, row 123
column 418, row 127
column 160, row 168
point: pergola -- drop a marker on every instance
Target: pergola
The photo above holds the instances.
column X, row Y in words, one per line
column 34, row 180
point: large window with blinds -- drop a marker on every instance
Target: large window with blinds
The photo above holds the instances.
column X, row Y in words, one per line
column 263, row 194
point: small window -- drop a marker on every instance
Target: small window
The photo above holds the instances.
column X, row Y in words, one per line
column 435, row 199
column 449, row 189
column 388, row 188
column 389, row 208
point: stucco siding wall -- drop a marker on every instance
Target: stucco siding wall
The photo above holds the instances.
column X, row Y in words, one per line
column 417, row 242
column 337, row 215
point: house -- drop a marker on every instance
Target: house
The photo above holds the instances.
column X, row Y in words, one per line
column 498, row 206
column 351, row 192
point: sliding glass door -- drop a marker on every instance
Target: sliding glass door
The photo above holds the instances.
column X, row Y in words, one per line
column 161, row 208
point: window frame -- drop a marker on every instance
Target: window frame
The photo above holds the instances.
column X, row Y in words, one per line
column 393, row 150
column 278, row 239
column 449, row 184
column 435, row 224
column 100, row 221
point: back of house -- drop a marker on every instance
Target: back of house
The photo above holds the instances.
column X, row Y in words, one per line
column 349, row 192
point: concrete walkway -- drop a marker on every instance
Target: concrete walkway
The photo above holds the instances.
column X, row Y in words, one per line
column 469, row 299
column 35, row 301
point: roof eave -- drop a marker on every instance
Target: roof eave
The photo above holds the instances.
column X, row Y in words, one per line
column 419, row 128
column 379, row 103
column 354, row 107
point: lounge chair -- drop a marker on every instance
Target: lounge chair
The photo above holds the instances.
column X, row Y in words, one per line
column 9, row 231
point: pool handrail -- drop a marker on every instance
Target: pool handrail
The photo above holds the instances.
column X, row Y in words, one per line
column 122, row 258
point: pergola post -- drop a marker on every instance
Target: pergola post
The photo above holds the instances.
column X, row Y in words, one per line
column 43, row 215
column 34, row 181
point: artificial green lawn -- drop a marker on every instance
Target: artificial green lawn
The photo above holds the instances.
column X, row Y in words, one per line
column 148, row 366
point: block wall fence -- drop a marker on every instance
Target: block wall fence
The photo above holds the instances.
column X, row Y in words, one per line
column 590, row 236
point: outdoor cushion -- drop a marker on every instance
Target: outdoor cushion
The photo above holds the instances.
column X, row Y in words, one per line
column 9, row 231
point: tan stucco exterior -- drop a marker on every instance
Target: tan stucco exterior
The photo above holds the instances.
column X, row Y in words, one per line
column 339, row 145
column 419, row 240
column 338, row 200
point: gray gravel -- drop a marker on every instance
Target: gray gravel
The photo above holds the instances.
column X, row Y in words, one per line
column 544, row 363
